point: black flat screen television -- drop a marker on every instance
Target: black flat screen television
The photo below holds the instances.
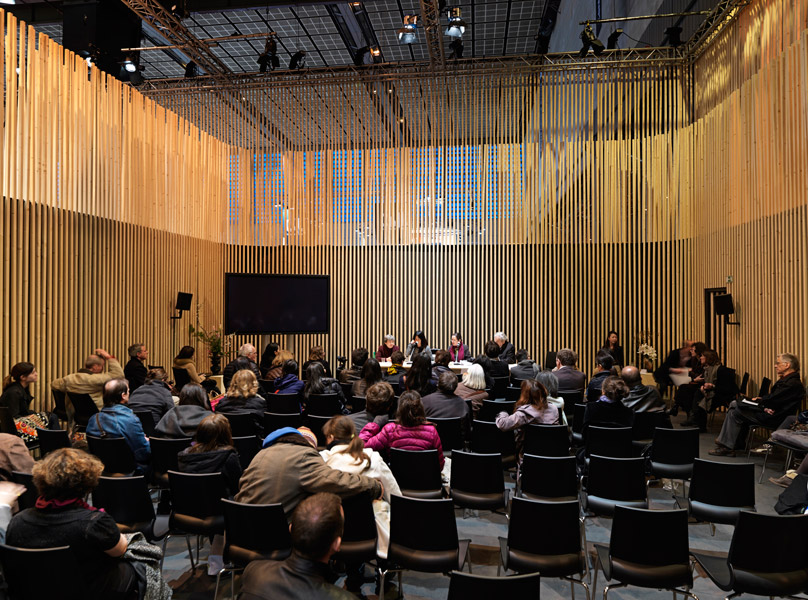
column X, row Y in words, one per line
column 265, row 304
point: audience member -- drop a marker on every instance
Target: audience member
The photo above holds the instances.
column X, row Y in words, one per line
column 62, row 518
column 499, row 368
column 676, row 362
column 793, row 431
column 526, row 367
column 317, row 354
column 289, row 469
column 419, row 377
column 153, row 396
column 318, row 383
column 289, row 383
column 371, row 373
column 717, row 378
column 247, row 355
column 242, row 396
column 506, row 350
column 135, row 369
column 550, row 382
column 472, row 387
column 531, row 408
column 346, row 452
column 571, row 381
column 485, row 363
column 393, row 373
column 267, row 357
column 612, row 346
column 771, row 410
column 9, row 492
column 641, row 398
column 358, row 358
column 185, row 360
column 183, row 420
column 457, row 349
column 116, row 419
column 89, row 380
column 445, row 404
column 686, row 393
column 410, row 432
column 442, row 360
column 378, row 405
column 603, row 369
column 17, row 399
column 608, row 410
column 14, row 456
column 316, row 530
column 276, row 369
column 418, row 346
column 386, row 349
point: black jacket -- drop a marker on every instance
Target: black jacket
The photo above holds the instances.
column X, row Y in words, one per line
column 181, row 422
column 17, row 399
column 644, row 398
column 135, row 374
column 607, row 414
column 230, row 370
column 785, row 399
column 595, row 386
column 507, row 354
column 499, row 368
column 441, row 406
column 296, row 578
column 154, row 397
column 224, row 461
column 570, row 380
column 525, row 369
column 255, row 405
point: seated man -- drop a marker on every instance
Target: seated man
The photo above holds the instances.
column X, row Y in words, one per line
column 248, row 352
column 526, row 368
column 135, row 370
column 571, row 381
column 378, row 404
column 316, row 528
column 445, row 404
column 772, row 409
column 359, row 357
column 153, row 396
column 641, row 398
column 117, row 420
column 89, row 380
column 499, row 367
column 506, row 352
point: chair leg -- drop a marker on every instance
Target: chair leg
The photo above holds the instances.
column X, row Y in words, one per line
column 216, row 589
column 609, row 587
column 712, row 529
column 163, row 557
column 686, row 593
column 382, row 574
column 190, row 552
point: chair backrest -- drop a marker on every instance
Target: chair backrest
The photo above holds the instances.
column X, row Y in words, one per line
column 283, row 403
column 500, row 385
column 323, row 405
column 477, row 473
column 59, row 407
column 549, row 476
column 579, row 410
column 416, row 471
column 616, row 478
column 181, row 377
column 29, row 496
column 512, row 393
column 645, row 423
column 358, row 403
column 114, row 452
column 247, row 447
column 360, row 522
column 164, row 453
column 723, row 483
column 560, row 525
column 267, row 387
column 273, row 421
column 547, row 440
column 23, row 569
column 316, row 424
column 744, row 384
column 765, row 384
column 197, row 494
column 675, row 446
column 347, row 389
column 609, row 441
column 486, row 438
column 125, row 499
column 146, row 420
column 450, row 432
column 571, row 398
column 52, row 439
column 420, row 524
column 255, row 528
column 790, row 553
column 491, row 408
column 84, row 407
column 465, row 585
column 649, row 537
column 7, row 424
column 241, row 423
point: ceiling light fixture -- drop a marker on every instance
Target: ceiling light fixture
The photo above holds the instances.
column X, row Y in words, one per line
column 298, row 60
column 457, row 26
column 590, row 40
column 611, row 43
column 359, row 57
column 674, row 36
column 191, row 69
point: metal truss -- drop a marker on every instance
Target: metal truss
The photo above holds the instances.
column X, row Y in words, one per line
column 430, row 18
column 720, row 17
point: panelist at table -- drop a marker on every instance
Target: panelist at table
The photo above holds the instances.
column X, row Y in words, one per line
column 457, row 349
column 417, row 346
column 385, row 351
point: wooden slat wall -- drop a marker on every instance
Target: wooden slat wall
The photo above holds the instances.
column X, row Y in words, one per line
column 110, row 206
column 751, row 140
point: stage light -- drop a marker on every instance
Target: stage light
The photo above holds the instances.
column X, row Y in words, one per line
column 406, row 35
column 674, row 36
column 129, row 66
column 359, row 57
column 298, row 60
column 457, row 26
column 456, row 48
column 589, row 40
column 191, row 69
column 612, row 41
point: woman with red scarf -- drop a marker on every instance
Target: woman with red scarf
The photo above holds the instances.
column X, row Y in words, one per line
column 458, row 350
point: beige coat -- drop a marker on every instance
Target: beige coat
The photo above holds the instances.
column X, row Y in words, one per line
column 188, row 365
column 89, row 383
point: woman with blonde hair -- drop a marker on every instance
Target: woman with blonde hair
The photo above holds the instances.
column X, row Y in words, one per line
column 473, row 387
column 242, row 396
column 276, row 369
column 346, row 452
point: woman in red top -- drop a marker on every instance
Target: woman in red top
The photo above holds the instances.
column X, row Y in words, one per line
column 411, row 431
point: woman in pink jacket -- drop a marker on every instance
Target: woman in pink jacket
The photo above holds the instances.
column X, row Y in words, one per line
column 411, row 431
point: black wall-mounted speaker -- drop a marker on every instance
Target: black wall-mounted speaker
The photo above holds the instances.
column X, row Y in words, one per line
column 723, row 304
column 184, row 301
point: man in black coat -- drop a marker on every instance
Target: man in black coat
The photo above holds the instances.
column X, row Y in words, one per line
column 526, row 368
column 135, row 370
column 785, row 399
column 246, row 358
column 571, row 381
column 507, row 354
column 444, row 404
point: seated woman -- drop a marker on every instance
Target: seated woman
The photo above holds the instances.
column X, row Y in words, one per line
column 242, row 396
column 267, row 356
column 318, row 383
column 457, row 349
column 289, row 383
column 486, row 363
column 418, row 346
column 550, row 382
column 497, row 368
column 154, row 396
column 472, row 387
column 385, row 351
column 213, row 452
column 411, row 431
column 719, row 383
column 346, row 452
column 185, row 360
column 393, row 373
column 371, row 373
column 317, row 354
column 419, row 377
column 616, row 350
column 17, row 398
column 531, row 408
column 63, row 479
column 183, row 420
column 609, row 410
column 442, row 360
column 276, row 370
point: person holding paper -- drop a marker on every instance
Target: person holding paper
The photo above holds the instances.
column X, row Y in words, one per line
column 770, row 410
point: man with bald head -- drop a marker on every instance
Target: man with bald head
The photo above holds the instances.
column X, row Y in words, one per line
column 641, row 398
column 89, row 380
column 246, row 358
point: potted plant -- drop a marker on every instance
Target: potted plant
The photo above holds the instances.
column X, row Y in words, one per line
column 216, row 342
